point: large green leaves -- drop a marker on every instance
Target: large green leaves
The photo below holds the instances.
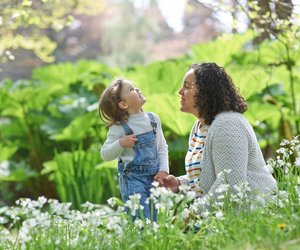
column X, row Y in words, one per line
column 222, row 50
column 167, row 107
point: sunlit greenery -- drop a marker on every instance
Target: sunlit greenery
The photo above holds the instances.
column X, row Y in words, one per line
column 235, row 220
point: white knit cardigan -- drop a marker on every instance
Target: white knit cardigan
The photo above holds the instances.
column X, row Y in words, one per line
column 232, row 145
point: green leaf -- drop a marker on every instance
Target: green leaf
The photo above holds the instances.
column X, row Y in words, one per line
column 167, row 107
column 220, row 51
column 107, row 165
column 77, row 129
column 7, row 151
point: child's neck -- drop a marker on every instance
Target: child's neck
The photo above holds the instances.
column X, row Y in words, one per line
column 134, row 112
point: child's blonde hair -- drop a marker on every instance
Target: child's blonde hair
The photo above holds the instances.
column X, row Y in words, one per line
column 109, row 110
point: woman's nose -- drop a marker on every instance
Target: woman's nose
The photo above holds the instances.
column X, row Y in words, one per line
column 180, row 91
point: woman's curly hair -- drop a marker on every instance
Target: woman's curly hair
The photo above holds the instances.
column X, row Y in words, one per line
column 109, row 110
column 216, row 92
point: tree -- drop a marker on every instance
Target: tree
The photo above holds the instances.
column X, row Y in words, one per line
column 129, row 34
column 23, row 24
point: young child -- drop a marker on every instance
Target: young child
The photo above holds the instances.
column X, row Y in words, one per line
column 136, row 139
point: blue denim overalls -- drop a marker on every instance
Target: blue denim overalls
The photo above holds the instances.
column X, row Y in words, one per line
column 137, row 176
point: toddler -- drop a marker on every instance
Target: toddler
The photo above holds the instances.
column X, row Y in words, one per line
column 136, row 139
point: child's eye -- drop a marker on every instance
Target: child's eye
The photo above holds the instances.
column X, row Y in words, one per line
column 131, row 89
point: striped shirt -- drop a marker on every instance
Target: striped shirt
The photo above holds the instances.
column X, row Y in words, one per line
column 194, row 157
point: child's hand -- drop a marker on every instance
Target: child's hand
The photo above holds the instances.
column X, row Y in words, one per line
column 172, row 183
column 128, row 141
column 160, row 176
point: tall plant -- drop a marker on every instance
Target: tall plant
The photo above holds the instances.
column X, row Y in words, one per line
column 78, row 179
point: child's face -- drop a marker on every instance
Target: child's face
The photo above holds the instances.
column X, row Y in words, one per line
column 132, row 98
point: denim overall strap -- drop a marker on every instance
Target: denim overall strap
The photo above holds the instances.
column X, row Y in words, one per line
column 153, row 122
column 128, row 130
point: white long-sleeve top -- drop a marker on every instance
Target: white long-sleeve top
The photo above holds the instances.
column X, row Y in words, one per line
column 139, row 123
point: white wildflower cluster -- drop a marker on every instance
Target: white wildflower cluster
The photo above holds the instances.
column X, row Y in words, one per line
column 288, row 150
column 223, row 174
column 282, row 198
column 35, row 220
column 164, row 199
column 241, row 193
column 133, row 204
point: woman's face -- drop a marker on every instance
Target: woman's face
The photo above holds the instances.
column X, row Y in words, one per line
column 187, row 92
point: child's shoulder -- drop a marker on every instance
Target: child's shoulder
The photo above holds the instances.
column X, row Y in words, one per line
column 115, row 130
column 115, row 127
column 156, row 117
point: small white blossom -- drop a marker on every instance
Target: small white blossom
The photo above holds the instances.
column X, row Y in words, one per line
column 155, row 184
column 185, row 213
column 223, row 188
column 111, row 202
column 205, row 214
column 297, row 161
column 219, row 215
column 4, row 168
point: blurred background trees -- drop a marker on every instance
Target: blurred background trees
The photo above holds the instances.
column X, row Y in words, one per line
column 34, row 33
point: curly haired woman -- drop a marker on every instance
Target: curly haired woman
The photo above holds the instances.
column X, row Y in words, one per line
column 221, row 142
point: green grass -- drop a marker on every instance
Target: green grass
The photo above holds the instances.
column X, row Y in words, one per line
column 231, row 224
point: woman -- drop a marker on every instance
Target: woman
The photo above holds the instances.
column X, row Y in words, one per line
column 223, row 148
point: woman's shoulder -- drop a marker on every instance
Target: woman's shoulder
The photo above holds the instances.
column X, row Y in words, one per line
column 230, row 119
column 228, row 116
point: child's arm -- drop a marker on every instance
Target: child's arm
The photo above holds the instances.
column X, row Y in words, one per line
column 162, row 148
column 115, row 143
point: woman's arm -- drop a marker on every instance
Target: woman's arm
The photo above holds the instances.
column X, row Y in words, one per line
column 229, row 153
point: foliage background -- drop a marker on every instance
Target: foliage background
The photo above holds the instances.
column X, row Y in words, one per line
column 51, row 133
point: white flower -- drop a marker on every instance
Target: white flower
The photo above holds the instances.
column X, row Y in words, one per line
column 205, row 214
column 269, row 168
column 223, row 173
column 185, row 213
column 138, row 223
column 41, row 201
column 134, row 203
column 190, row 195
column 4, row 168
column 222, row 188
column 284, row 142
column 155, row 184
column 111, row 202
column 3, row 220
column 219, row 215
column 297, row 161
column 198, row 223
column 155, row 226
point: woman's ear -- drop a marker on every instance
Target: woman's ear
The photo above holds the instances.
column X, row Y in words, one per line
column 123, row 105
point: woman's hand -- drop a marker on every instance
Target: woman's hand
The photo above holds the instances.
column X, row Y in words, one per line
column 172, row 183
